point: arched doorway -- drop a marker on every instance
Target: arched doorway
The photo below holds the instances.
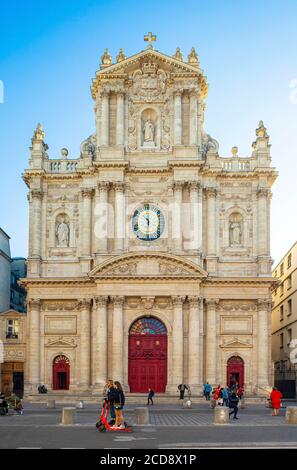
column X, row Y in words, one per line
column 235, row 371
column 61, row 373
column 147, row 355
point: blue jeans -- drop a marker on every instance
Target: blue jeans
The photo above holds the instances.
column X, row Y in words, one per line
column 112, row 412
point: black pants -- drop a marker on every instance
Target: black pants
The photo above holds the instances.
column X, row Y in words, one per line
column 149, row 399
column 234, row 411
column 181, row 394
column 207, row 395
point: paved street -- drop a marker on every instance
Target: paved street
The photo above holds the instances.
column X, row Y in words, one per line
column 170, row 426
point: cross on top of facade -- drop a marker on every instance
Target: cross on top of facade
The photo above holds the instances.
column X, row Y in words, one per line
column 150, row 37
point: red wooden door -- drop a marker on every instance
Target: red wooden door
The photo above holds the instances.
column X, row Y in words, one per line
column 61, row 373
column 147, row 363
column 235, row 371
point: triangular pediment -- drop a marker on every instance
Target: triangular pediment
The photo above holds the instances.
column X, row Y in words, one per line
column 148, row 265
column 236, row 343
column 149, row 57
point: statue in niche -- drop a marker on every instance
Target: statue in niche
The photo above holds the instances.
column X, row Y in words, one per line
column 62, row 233
column 235, row 233
column 148, row 132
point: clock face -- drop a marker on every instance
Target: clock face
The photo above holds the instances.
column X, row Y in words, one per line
column 148, row 222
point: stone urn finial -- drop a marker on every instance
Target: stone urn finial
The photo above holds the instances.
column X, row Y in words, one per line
column 234, row 151
column 193, row 58
column 121, row 55
column 178, row 55
column 106, row 59
column 64, row 153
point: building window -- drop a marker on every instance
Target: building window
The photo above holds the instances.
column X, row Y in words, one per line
column 282, row 269
column 12, row 330
column 289, row 282
column 290, row 307
column 281, row 312
column 289, row 335
column 290, row 260
column 282, row 289
column 281, row 338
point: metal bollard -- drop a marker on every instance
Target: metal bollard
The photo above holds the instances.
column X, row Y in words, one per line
column 68, row 416
column 142, row 416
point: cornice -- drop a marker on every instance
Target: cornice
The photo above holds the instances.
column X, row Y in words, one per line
column 29, row 282
column 238, row 280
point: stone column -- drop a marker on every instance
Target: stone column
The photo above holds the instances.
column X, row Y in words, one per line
column 99, row 342
column 211, row 342
column 119, row 236
column 200, row 217
column 87, row 194
column 101, row 212
column 85, row 343
column 193, row 118
column 120, row 118
column 118, row 339
column 34, row 344
column 194, row 372
column 211, row 221
column 263, row 359
column 177, row 341
column 263, row 219
column 177, row 119
column 177, row 235
column 194, row 204
column 105, row 119
column 36, row 198
column 199, row 122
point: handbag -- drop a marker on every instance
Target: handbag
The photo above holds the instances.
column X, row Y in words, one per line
column 117, row 406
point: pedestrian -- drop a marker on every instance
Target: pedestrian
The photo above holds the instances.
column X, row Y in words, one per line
column 216, row 393
column 3, row 405
column 233, row 404
column 207, row 391
column 240, row 392
column 119, row 402
column 151, row 393
column 182, row 388
column 110, row 395
column 220, row 399
column 225, row 396
column 275, row 398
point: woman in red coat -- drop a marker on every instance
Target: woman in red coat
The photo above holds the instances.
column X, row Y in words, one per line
column 275, row 398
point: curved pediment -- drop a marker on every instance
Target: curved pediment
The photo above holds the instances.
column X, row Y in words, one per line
column 148, row 265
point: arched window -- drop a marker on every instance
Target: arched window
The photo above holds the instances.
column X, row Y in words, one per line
column 148, row 326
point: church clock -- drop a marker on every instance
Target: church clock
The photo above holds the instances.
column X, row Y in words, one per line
column 148, row 222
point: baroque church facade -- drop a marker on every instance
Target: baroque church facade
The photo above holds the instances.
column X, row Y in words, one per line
column 149, row 259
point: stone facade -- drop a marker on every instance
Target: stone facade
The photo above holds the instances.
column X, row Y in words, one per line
column 205, row 270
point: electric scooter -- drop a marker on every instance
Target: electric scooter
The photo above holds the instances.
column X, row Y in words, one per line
column 102, row 425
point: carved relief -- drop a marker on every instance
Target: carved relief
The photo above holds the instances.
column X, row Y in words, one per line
column 61, row 341
column 148, row 82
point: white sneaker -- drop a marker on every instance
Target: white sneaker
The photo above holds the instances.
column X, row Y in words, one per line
column 121, row 426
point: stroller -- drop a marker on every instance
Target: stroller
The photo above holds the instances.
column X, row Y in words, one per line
column 103, row 425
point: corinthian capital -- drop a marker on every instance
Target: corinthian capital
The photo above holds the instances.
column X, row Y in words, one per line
column 211, row 192
column 34, row 304
column 117, row 300
column 100, row 300
column 194, row 300
column 178, row 185
column 87, row 192
column 212, row 303
column 264, row 304
column 84, row 304
column 36, row 193
column 103, row 186
column 119, row 186
column 193, row 185
column 177, row 300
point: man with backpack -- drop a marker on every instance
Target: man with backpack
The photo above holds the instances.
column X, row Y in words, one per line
column 182, row 388
column 151, row 393
column 233, row 404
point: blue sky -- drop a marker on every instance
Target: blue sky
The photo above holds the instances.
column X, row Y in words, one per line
column 50, row 51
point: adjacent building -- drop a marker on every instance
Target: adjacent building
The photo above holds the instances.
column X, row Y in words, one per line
column 149, row 254
column 17, row 292
column 5, row 271
column 12, row 320
column 284, row 323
